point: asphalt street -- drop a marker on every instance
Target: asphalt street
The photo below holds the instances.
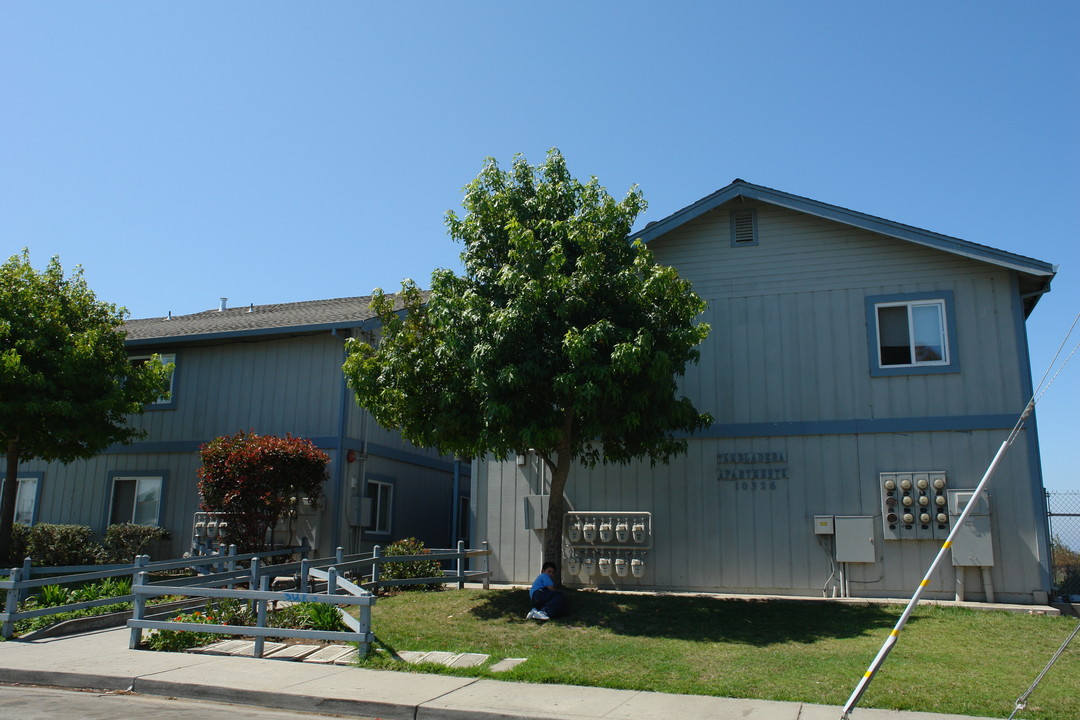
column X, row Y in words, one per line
column 38, row 703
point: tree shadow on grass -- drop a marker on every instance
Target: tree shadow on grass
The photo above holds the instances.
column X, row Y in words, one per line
column 703, row 618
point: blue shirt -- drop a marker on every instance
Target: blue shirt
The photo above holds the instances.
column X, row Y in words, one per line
column 543, row 580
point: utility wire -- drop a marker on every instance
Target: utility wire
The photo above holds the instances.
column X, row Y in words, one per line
column 1021, row 702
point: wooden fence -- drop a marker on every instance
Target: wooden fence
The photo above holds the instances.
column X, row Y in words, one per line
column 221, row 572
column 22, row 580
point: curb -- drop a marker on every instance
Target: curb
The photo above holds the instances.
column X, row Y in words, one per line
column 277, row 701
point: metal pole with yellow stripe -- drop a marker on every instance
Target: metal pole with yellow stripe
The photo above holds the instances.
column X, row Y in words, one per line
column 891, row 640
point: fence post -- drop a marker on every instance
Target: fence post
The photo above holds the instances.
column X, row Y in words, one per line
column 461, row 565
column 260, row 640
column 22, row 594
column 376, row 553
column 232, row 564
column 306, row 548
column 331, row 581
column 139, row 607
column 8, row 627
column 305, row 571
column 487, row 566
column 364, row 623
column 339, row 555
column 254, row 582
column 137, row 564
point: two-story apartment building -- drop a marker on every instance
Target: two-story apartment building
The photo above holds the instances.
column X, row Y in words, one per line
column 861, row 373
column 271, row 369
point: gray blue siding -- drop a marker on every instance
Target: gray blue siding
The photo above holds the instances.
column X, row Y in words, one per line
column 787, row 370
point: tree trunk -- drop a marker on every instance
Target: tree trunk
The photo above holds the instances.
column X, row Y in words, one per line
column 7, row 504
column 556, row 515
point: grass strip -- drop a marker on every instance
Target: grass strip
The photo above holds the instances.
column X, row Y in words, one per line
column 948, row 659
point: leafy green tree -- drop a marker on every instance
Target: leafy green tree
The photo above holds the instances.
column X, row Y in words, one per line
column 67, row 387
column 258, row 479
column 562, row 337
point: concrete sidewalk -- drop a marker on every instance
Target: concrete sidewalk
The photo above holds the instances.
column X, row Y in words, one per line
column 101, row 660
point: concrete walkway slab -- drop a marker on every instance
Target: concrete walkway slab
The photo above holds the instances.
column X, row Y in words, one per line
column 329, row 653
column 554, row 702
column 438, row 657
column 224, row 647
column 292, row 652
column 349, row 658
column 507, row 664
column 465, row 660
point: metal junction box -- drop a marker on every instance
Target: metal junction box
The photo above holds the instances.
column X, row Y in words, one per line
column 855, row 539
column 972, row 545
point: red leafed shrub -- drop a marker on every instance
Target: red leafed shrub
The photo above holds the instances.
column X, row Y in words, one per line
column 257, row 479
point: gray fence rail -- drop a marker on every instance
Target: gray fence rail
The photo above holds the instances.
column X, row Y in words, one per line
column 359, row 628
column 22, row 580
column 224, row 570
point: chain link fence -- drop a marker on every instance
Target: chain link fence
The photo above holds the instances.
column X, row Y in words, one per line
column 1063, row 515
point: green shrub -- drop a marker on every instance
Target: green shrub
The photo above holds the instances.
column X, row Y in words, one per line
column 231, row 611
column 19, row 535
column 410, row 568
column 123, row 541
column 58, row 545
column 308, row 616
column 180, row 640
column 52, row 596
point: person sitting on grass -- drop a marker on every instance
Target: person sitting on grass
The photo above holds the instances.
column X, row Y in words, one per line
column 547, row 602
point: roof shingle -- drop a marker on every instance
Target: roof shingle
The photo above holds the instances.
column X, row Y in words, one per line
column 253, row 320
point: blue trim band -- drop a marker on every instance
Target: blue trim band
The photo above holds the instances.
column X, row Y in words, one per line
column 1034, row 456
column 323, row 443
column 859, row 426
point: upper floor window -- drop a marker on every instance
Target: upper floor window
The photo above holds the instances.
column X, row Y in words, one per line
column 911, row 334
column 166, row 401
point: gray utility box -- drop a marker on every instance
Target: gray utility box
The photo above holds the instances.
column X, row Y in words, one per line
column 972, row 545
column 536, row 507
column 854, row 539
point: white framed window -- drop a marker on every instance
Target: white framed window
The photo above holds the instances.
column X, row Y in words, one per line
column 380, row 496
column 166, row 359
column 136, row 499
column 26, row 498
column 911, row 334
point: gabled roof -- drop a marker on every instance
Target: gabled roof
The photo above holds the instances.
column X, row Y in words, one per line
column 254, row 320
column 740, row 188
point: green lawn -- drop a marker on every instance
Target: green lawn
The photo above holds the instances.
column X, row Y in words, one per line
column 947, row 660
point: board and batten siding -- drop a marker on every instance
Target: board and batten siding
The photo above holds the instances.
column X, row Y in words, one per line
column 744, row 536
column 789, row 345
column 273, row 387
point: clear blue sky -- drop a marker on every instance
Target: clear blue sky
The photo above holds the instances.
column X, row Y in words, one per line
column 273, row 152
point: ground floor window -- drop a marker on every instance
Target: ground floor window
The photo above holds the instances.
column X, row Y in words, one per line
column 26, row 499
column 136, row 500
column 380, row 496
